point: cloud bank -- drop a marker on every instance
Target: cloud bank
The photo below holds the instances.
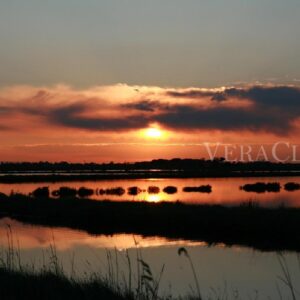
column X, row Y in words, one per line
column 269, row 109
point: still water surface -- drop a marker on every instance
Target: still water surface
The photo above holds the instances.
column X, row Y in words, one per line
column 218, row 267
column 224, row 190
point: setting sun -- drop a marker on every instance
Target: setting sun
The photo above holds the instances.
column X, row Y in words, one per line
column 153, row 132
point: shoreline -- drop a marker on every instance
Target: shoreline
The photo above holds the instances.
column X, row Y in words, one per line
column 38, row 178
column 267, row 229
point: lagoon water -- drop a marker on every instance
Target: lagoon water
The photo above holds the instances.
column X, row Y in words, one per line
column 224, row 190
column 241, row 270
column 235, row 269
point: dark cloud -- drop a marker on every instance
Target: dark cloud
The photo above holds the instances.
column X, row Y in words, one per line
column 70, row 116
column 191, row 93
column 219, row 97
column 273, row 110
column 145, row 105
column 279, row 96
column 224, row 118
column 5, row 110
column 282, row 97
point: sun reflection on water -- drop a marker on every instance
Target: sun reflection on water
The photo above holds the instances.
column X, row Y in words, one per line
column 153, row 198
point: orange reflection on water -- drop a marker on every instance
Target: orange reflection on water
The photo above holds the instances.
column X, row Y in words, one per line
column 153, row 198
column 224, row 190
column 29, row 237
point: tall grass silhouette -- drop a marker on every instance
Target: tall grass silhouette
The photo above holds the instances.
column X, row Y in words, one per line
column 50, row 281
column 183, row 251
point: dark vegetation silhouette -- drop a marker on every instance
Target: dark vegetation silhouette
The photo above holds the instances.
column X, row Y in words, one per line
column 173, row 168
column 292, row 186
column 262, row 187
column 41, row 192
column 153, row 189
column 118, row 191
column 134, row 190
column 84, row 192
column 249, row 225
column 170, row 190
column 52, row 286
column 198, row 189
column 65, row 192
column 156, row 164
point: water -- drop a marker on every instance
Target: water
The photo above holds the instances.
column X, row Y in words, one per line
column 224, row 190
column 218, row 267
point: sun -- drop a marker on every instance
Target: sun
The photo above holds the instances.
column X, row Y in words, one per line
column 153, row 132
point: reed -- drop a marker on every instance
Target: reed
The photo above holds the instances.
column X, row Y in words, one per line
column 49, row 282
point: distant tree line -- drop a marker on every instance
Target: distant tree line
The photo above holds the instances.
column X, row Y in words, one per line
column 190, row 165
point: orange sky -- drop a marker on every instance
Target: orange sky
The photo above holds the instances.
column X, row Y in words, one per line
column 129, row 123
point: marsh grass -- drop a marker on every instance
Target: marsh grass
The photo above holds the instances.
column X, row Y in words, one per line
column 183, row 251
column 286, row 277
column 50, row 281
column 114, row 283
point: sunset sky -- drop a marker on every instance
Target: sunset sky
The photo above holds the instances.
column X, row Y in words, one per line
column 136, row 80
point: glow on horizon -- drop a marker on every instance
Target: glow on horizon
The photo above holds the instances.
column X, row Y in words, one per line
column 144, row 123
